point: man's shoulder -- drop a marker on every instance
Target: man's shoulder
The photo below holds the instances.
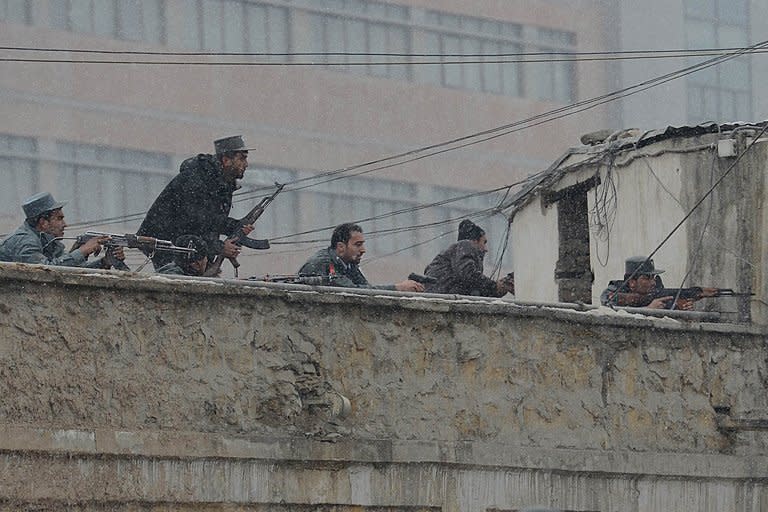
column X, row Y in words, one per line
column 321, row 256
column 464, row 246
column 23, row 234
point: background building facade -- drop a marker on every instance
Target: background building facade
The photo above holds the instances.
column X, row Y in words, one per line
column 344, row 82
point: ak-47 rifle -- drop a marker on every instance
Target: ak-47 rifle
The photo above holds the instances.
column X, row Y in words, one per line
column 240, row 238
column 147, row 244
column 693, row 293
column 310, row 279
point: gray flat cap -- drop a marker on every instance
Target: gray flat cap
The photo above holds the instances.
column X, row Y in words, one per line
column 228, row 144
column 39, row 204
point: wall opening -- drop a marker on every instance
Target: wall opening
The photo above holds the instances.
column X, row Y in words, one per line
column 573, row 272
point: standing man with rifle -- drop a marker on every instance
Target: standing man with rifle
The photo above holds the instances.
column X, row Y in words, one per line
column 198, row 201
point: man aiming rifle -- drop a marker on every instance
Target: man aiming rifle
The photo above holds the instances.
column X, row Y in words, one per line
column 642, row 287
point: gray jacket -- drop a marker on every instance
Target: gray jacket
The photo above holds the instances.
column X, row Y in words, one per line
column 27, row 245
column 459, row 270
column 325, row 262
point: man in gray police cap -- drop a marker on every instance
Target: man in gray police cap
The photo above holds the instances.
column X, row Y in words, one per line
column 197, row 201
column 37, row 239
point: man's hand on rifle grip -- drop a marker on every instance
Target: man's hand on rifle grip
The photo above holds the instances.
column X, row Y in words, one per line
column 230, row 250
column 92, row 245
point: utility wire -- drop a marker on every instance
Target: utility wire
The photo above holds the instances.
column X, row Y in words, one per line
column 529, row 122
column 685, row 52
column 537, row 119
column 401, row 211
column 29, row 60
column 713, row 239
column 116, row 220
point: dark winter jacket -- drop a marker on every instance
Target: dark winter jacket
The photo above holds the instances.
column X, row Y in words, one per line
column 196, row 202
column 325, row 262
column 459, row 270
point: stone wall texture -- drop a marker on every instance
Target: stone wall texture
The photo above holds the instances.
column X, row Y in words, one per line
column 128, row 392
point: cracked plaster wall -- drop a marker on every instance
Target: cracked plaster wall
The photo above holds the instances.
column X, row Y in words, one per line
column 156, row 355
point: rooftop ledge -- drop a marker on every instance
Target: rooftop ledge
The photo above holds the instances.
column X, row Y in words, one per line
column 582, row 313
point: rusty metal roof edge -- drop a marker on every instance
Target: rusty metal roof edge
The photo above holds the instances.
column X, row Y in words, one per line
column 553, row 174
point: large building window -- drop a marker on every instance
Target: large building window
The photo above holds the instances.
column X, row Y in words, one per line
column 234, row 26
column 358, row 26
column 18, row 172
column 362, row 26
column 102, row 182
column 132, row 20
column 15, row 11
column 554, row 80
column 722, row 92
column 449, row 35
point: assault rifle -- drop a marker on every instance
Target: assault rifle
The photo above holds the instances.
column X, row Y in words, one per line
column 240, row 238
column 692, row 293
column 309, row 279
column 146, row 244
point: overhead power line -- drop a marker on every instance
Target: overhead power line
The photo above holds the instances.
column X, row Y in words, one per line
column 486, row 135
column 572, row 54
column 484, row 60
column 523, row 124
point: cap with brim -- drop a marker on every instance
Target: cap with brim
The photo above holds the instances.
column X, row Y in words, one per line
column 229, row 144
column 641, row 266
column 39, row 204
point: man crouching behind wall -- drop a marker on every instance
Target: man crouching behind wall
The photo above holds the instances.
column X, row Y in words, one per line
column 459, row 269
column 37, row 240
column 340, row 261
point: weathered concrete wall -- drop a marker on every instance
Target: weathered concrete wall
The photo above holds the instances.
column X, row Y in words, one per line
column 136, row 393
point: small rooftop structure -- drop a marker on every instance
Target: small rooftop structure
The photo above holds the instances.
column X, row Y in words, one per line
column 694, row 195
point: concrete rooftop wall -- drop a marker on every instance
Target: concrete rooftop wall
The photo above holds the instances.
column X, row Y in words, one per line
column 148, row 393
